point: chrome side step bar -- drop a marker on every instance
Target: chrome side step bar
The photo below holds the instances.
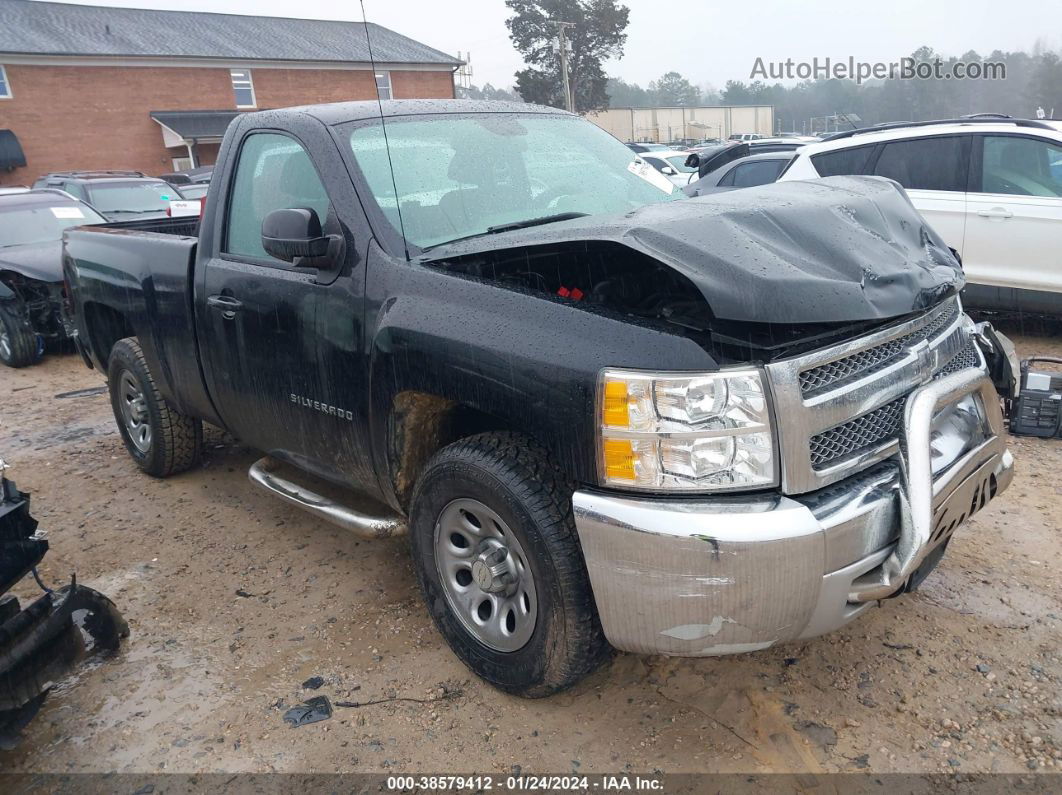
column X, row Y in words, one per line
column 262, row 474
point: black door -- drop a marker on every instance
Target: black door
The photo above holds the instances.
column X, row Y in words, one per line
column 259, row 341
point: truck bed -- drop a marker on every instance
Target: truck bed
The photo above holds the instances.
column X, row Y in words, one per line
column 185, row 227
column 134, row 278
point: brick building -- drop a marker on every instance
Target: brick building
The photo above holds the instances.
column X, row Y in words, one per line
column 88, row 87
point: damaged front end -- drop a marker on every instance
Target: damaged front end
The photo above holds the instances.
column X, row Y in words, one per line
column 44, row 641
column 753, row 275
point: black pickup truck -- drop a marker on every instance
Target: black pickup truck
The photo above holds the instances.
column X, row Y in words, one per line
column 606, row 414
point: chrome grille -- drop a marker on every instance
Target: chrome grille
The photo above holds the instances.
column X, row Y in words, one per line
column 866, row 362
column 843, row 406
column 858, row 435
column 967, row 357
column 883, row 424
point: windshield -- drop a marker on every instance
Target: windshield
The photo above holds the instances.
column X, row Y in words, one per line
column 42, row 223
column 458, row 176
column 138, row 196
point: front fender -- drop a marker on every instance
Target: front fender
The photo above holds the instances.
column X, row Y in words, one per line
column 529, row 361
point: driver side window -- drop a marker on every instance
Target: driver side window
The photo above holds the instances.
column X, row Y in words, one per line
column 274, row 172
column 1021, row 166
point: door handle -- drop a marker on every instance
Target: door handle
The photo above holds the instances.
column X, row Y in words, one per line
column 996, row 212
column 228, row 305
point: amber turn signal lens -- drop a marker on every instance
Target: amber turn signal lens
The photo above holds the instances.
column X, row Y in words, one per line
column 619, row 459
column 615, row 409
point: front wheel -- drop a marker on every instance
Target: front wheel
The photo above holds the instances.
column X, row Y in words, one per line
column 19, row 345
column 160, row 439
column 499, row 563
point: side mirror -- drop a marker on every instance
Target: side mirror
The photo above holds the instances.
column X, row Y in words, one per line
column 693, row 161
column 292, row 233
column 667, row 170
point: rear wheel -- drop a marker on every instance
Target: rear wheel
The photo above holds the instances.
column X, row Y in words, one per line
column 18, row 342
column 498, row 559
column 160, row 439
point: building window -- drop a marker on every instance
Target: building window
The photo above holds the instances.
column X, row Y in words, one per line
column 383, row 85
column 243, row 88
column 5, row 87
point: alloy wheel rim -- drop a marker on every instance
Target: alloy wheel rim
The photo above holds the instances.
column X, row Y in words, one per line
column 485, row 575
column 134, row 411
column 5, row 342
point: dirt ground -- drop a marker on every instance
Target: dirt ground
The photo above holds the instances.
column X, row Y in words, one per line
column 235, row 599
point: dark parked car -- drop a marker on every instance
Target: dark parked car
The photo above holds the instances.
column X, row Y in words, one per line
column 603, row 416
column 745, row 172
column 195, row 190
column 117, row 195
column 760, row 147
column 31, row 273
column 193, row 176
column 708, row 159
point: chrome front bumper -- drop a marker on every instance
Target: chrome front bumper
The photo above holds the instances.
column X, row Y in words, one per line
column 725, row 575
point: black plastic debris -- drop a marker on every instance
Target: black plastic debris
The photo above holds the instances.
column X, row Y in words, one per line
column 80, row 393
column 313, row 683
column 1038, row 408
column 311, row 710
column 41, row 643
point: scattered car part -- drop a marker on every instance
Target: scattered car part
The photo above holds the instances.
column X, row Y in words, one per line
column 312, row 710
column 47, row 639
column 1037, row 411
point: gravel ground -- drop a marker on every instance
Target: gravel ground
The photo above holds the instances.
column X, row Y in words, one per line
column 235, row 600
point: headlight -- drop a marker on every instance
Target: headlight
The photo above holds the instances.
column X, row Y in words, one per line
column 674, row 432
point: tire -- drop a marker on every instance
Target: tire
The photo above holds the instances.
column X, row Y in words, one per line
column 160, row 439
column 513, row 492
column 18, row 342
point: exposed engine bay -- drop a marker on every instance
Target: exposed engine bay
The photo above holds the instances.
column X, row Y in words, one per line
column 752, row 275
column 40, row 303
column 610, row 278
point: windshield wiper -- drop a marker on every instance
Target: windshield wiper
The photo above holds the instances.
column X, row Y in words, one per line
column 135, row 212
column 545, row 219
column 493, row 230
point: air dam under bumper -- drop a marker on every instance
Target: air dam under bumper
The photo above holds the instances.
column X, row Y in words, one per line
column 727, row 575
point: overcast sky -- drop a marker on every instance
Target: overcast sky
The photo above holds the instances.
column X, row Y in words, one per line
column 708, row 42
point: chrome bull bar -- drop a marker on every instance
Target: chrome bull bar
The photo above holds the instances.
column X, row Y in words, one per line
column 926, row 503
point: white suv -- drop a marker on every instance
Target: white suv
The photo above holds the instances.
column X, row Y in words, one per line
column 991, row 187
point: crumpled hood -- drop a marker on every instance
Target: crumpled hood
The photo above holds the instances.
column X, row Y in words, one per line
column 41, row 261
column 834, row 250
